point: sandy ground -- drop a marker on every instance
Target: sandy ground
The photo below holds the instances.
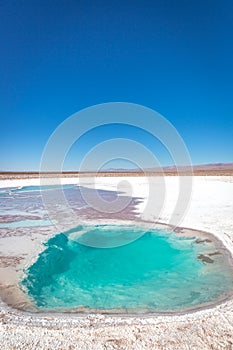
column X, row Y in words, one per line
column 210, row 209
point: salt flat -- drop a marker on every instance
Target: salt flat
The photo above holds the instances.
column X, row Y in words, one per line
column 210, row 209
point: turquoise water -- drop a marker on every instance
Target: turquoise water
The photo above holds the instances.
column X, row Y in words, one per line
column 12, row 191
column 25, row 223
column 41, row 188
column 157, row 272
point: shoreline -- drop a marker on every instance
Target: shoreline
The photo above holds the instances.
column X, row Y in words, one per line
column 180, row 232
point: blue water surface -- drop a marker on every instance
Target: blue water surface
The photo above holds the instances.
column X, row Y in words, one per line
column 157, row 272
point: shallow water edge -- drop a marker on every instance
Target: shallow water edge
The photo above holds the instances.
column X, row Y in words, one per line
column 25, row 304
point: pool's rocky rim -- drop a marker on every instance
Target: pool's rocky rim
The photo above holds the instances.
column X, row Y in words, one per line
column 84, row 312
column 199, row 236
column 25, row 305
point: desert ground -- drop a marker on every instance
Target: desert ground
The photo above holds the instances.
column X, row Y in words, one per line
column 209, row 209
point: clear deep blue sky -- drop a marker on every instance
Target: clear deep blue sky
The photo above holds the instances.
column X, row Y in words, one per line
column 57, row 57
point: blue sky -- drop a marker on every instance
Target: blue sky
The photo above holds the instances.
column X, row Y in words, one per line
column 58, row 57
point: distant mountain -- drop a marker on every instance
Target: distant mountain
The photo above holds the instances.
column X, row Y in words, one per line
column 220, row 168
column 119, row 170
column 201, row 167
